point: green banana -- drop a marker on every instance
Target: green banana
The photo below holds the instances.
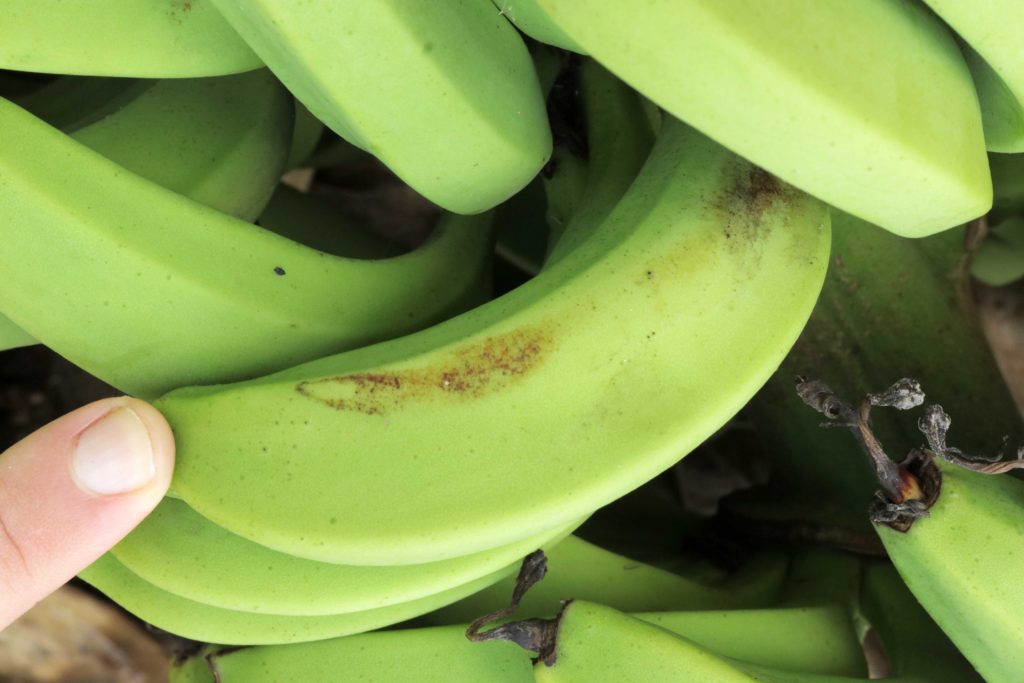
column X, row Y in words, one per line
column 558, row 369
column 578, row 569
column 1000, row 258
column 890, row 307
column 993, row 53
column 233, row 300
column 222, row 140
column 528, row 17
column 960, row 562
column 140, row 38
column 305, row 138
column 179, row 551
column 796, row 88
column 619, row 140
column 205, row 623
column 811, row 640
column 950, row 531
column 444, row 93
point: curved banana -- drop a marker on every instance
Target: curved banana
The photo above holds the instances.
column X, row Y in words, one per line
column 181, row 552
column 898, row 142
column 592, row 377
column 578, row 569
column 204, row 623
column 811, row 640
column 961, row 561
column 993, row 53
column 444, row 93
column 233, row 300
column 219, row 141
column 618, row 141
column 140, row 38
column 222, row 141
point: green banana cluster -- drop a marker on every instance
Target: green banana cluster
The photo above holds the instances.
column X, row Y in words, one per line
column 366, row 435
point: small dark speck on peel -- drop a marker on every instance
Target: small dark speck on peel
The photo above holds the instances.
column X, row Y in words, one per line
column 279, row 270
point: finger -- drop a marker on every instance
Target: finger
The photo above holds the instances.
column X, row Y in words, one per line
column 72, row 490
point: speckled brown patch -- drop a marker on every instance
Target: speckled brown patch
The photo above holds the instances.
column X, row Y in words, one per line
column 472, row 371
column 753, row 193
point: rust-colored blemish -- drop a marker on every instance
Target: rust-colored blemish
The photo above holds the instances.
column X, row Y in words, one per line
column 749, row 197
column 472, row 371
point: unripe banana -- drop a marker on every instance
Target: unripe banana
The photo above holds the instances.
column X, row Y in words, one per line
column 444, row 93
column 791, row 87
column 219, row 298
column 578, row 569
column 587, row 384
column 204, row 623
column 812, row 640
column 961, row 562
column 890, row 307
column 179, row 551
column 141, row 38
column 993, row 53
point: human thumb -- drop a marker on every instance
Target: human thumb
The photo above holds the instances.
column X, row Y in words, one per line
column 72, row 490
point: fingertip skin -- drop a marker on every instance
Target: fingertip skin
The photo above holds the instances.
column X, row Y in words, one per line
column 51, row 526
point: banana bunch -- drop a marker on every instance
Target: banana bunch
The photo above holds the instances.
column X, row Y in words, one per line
column 354, row 552
column 367, row 435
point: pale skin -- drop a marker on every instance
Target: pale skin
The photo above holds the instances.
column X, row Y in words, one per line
column 72, row 490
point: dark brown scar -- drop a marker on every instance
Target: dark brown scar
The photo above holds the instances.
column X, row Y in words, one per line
column 472, row 371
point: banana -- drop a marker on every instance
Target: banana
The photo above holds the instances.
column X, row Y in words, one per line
column 578, row 569
column 219, row 141
column 811, row 640
column 950, row 531
column 445, row 94
column 618, row 141
column 140, row 38
column 959, row 563
column 179, row 551
column 305, row 138
column 528, row 17
column 211, row 298
column 591, row 378
column 890, row 307
column 1000, row 258
column 205, row 623
column 795, row 88
column 993, row 53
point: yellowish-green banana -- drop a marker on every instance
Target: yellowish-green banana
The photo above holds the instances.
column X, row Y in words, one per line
column 142, row 38
column 179, row 551
column 811, row 640
column 796, row 88
column 150, row 290
column 578, row 569
column 444, row 93
column 992, row 33
column 593, row 377
column 204, row 623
